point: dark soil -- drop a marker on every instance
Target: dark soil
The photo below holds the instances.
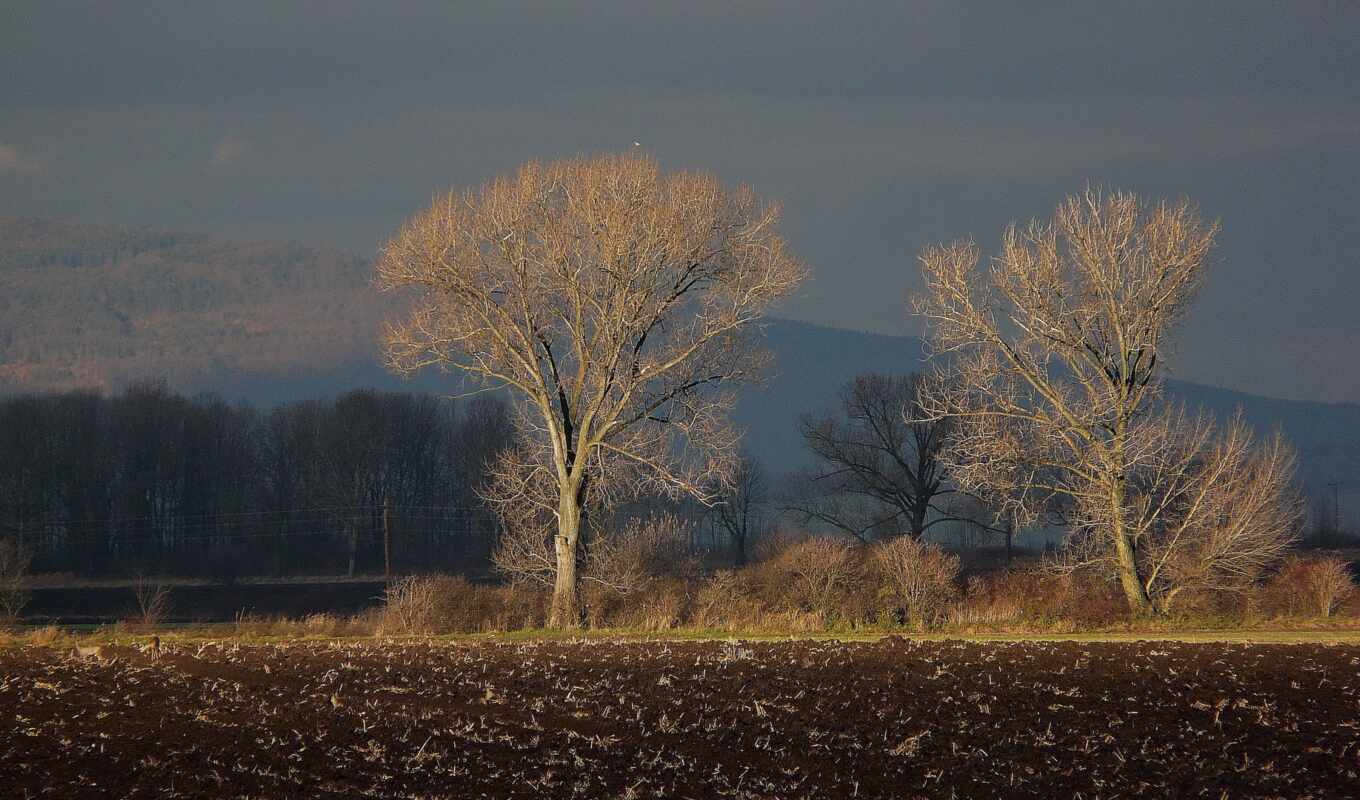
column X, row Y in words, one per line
column 894, row 719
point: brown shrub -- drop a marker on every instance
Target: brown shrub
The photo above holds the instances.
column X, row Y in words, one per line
column 602, row 604
column 323, row 624
column 821, row 575
column 664, row 606
column 1308, row 586
column 640, row 576
column 319, row 625
column 44, row 636
column 153, row 601
column 434, row 604
column 514, row 607
column 917, row 579
column 646, row 549
column 14, row 563
column 986, row 602
column 723, row 601
column 411, row 604
column 1037, row 598
column 773, row 544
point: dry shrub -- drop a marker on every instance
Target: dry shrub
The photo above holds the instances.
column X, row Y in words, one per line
column 367, row 622
column 820, row 569
column 747, row 599
column 917, row 578
column 1039, row 599
column 664, row 606
column 646, row 549
column 773, row 544
column 1308, row 586
column 603, row 605
column 819, row 576
column 433, row 604
column 322, row 624
column 44, row 636
column 410, row 604
column 153, row 601
column 725, row 601
column 516, row 607
column 14, row 563
column 249, row 625
column 639, row 576
column 999, row 599
column 1210, row 606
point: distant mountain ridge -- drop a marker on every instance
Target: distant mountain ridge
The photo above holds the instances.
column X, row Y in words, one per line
column 87, row 305
column 84, row 305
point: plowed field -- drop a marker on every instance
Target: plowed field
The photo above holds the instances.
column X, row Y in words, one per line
column 895, row 718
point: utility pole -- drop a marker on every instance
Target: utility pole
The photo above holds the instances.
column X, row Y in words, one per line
column 387, row 538
column 1336, row 506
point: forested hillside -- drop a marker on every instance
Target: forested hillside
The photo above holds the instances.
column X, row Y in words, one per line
column 93, row 306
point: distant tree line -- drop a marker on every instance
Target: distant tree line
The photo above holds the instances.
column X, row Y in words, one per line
column 150, row 481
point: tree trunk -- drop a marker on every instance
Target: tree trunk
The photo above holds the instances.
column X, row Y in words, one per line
column 1126, row 558
column 739, row 557
column 565, row 613
column 1010, row 539
column 918, row 522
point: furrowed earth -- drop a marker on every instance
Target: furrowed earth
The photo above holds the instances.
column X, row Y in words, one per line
column 598, row 719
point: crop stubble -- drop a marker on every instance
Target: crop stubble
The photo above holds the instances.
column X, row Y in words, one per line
column 895, row 718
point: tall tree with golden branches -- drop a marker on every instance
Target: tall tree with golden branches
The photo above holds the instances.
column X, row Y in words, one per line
column 1049, row 362
column 615, row 302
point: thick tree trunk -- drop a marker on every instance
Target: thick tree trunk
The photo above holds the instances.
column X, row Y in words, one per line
column 739, row 546
column 918, row 522
column 565, row 613
column 1126, row 558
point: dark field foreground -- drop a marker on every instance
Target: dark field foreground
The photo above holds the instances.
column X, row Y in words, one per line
column 697, row 719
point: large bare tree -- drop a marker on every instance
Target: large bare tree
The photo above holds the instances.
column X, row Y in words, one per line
column 1049, row 362
column 878, row 466
column 615, row 302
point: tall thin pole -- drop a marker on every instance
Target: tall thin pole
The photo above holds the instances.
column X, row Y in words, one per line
column 387, row 539
column 1336, row 505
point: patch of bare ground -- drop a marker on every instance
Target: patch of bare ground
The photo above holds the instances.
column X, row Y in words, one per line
column 895, row 718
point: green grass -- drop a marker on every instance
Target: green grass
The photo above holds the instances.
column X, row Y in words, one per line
column 1286, row 632
column 225, row 633
column 1325, row 636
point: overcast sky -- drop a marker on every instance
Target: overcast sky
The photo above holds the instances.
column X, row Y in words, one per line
column 882, row 127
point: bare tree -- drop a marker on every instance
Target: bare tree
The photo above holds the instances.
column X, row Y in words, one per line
column 615, row 302
column 879, row 467
column 1049, row 371
column 153, row 600
column 740, row 512
column 15, row 558
column 1210, row 511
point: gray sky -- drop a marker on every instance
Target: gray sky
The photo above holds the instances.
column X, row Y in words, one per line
column 881, row 126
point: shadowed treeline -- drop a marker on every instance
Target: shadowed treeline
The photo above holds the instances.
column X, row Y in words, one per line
column 149, row 481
